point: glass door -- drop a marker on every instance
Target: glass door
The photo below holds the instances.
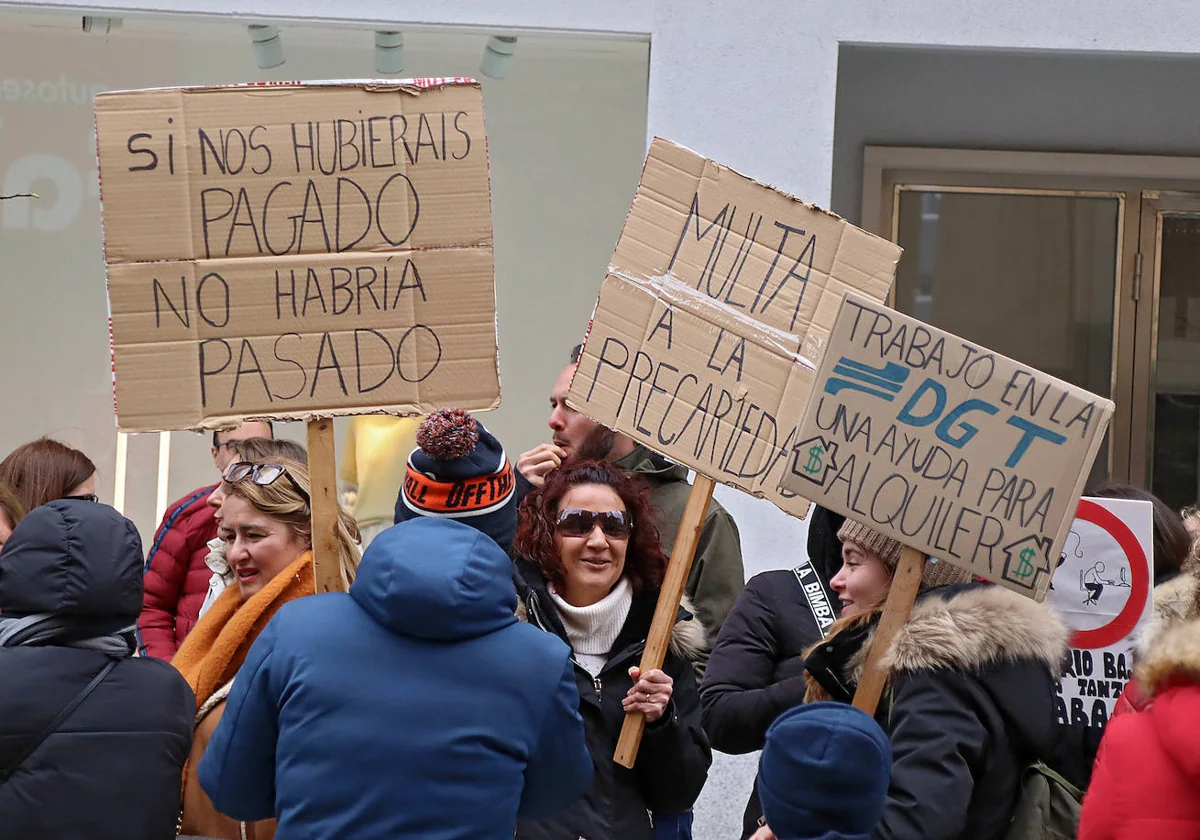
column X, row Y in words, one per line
column 1169, row 343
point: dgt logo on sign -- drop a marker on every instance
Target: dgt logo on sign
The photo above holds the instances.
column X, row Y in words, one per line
column 946, row 446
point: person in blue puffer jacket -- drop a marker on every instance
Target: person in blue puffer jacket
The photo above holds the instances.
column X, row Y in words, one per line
column 416, row 706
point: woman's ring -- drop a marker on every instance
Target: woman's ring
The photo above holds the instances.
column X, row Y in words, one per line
column 647, row 696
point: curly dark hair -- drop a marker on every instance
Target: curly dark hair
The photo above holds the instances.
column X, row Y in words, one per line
column 645, row 563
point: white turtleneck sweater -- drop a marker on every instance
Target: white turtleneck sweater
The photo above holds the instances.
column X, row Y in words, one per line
column 592, row 630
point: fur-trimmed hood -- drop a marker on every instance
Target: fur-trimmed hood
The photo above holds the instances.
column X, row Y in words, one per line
column 970, row 629
column 961, row 628
column 1175, row 603
column 1174, row 658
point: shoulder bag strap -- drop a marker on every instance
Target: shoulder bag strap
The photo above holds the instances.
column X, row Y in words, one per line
column 814, row 592
column 54, row 724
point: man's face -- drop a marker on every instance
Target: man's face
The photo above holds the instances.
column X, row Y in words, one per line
column 570, row 427
column 221, row 453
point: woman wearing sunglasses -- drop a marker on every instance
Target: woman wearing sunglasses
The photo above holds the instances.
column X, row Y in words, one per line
column 267, row 529
column 590, row 570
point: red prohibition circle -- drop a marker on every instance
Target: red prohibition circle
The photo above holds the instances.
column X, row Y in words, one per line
column 1123, row 624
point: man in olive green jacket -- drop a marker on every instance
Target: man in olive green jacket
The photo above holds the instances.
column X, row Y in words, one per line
column 717, row 575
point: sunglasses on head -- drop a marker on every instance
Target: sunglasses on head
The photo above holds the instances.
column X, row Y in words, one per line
column 574, row 522
column 263, row 475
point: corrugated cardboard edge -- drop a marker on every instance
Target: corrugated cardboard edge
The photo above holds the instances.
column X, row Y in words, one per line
column 224, row 422
column 414, row 86
column 807, row 204
column 411, row 86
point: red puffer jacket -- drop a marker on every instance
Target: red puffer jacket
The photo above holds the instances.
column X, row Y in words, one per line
column 1146, row 782
column 176, row 577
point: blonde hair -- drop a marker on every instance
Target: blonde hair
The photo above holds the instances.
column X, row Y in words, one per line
column 280, row 501
column 813, row 690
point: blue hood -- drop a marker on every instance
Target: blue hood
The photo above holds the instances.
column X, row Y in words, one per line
column 72, row 558
column 436, row 579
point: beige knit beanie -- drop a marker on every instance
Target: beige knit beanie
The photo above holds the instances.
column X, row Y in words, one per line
column 937, row 573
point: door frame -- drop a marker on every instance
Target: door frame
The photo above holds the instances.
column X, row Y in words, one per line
column 1155, row 204
column 1129, row 178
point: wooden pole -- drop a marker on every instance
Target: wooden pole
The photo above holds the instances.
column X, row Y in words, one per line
column 678, row 569
column 322, row 470
column 905, row 583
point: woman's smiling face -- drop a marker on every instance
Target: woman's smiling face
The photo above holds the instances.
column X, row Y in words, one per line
column 258, row 547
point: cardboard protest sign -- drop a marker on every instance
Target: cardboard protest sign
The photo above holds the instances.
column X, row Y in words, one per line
column 297, row 250
column 717, row 305
column 1102, row 589
column 946, row 446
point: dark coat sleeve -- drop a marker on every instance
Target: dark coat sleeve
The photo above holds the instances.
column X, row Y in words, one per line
column 742, row 692
column 936, row 737
column 237, row 770
column 673, row 760
column 560, row 769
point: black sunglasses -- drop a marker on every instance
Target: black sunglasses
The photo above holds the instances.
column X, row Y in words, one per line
column 84, row 497
column 574, row 522
column 263, row 475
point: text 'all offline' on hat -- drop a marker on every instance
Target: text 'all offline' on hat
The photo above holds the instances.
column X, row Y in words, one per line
column 459, row 471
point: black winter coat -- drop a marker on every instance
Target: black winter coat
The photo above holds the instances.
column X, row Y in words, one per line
column 969, row 704
column 113, row 767
column 756, row 670
column 674, row 757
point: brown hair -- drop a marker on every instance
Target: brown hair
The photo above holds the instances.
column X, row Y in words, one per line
column 1172, row 542
column 645, row 563
column 10, row 506
column 280, row 501
column 261, row 450
column 44, row 470
column 813, row 690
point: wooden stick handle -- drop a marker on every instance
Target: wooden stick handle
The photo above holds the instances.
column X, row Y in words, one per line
column 663, row 623
column 901, row 596
column 322, row 471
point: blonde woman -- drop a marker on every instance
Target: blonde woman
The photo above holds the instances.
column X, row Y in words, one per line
column 266, row 525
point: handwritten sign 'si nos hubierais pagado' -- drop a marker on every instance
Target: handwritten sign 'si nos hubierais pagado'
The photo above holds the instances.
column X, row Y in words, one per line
column 946, row 446
column 295, row 250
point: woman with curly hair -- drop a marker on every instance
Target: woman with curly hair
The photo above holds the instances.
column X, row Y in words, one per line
column 590, row 571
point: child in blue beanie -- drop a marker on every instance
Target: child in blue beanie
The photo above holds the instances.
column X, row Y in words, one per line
column 823, row 774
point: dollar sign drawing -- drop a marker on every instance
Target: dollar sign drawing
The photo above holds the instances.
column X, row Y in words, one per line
column 1025, row 567
column 814, row 459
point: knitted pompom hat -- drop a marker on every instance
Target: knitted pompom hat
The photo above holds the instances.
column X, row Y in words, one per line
column 459, row 471
column 937, row 572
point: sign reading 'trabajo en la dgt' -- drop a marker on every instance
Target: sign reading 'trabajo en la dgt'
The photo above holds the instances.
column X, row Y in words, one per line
column 297, row 250
column 952, row 449
column 716, row 307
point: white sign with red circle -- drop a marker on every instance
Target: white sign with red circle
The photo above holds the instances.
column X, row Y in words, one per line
column 1102, row 589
